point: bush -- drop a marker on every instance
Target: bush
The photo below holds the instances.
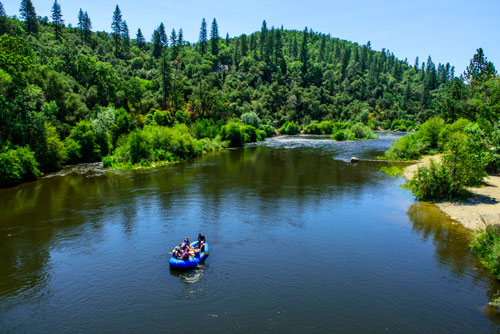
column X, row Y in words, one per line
column 138, row 147
column 81, row 144
column 409, row 147
column 163, row 117
column 233, row 133
column 268, row 129
column 250, row 118
column 339, row 135
column 429, row 132
column 183, row 116
column 205, row 128
column 289, row 128
column 17, row 165
column 362, row 131
column 486, row 245
column 433, row 183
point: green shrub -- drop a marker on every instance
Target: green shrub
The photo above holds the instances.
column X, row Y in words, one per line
column 429, row 132
column 249, row 133
column 233, row 133
column 250, row 118
column 17, row 165
column 182, row 116
column 81, row 144
column 138, row 147
column 326, row 127
column 268, row 129
column 409, row 147
column 339, row 135
column 313, row 128
column 205, row 128
column 362, row 131
column 486, row 245
column 289, row 128
column 162, row 117
column 433, row 183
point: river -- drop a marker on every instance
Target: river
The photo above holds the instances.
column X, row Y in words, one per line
column 301, row 241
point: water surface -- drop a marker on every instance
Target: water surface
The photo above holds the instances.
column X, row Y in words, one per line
column 301, row 241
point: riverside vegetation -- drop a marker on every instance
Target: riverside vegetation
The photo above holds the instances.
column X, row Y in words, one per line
column 467, row 135
column 71, row 95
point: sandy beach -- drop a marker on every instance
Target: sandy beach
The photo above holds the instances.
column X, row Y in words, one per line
column 482, row 208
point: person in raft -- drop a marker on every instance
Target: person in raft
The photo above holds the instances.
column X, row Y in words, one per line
column 186, row 244
column 198, row 250
column 201, row 238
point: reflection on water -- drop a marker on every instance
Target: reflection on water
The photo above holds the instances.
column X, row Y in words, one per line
column 303, row 241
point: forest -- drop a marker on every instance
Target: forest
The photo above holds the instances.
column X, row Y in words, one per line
column 71, row 95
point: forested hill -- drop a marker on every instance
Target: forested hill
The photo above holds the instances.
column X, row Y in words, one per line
column 53, row 76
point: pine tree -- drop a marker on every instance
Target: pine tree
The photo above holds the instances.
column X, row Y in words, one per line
column 479, row 68
column 180, row 38
column 173, row 38
column 263, row 36
column 125, row 36
column 57, row 19
column 157, row 47
column 163, row 35
column 227, row 39
column 173, row 44
column 203, row 37
column 3, row 20
column 244, row 45
column 166, row 80
column 214, row 38
column 303, row 51
column 322, row 48
column 87, row 27
column 28, row 14
column 139, row 39
column 81, row 23
column 116, row 27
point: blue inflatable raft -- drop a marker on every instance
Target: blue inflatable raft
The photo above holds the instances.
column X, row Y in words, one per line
column 193, row 260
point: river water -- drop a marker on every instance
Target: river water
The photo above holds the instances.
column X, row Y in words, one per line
column 301, row 241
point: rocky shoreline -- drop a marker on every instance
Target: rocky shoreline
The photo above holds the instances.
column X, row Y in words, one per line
column 475, row 212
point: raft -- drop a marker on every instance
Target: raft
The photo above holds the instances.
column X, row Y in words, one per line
column 193, row 260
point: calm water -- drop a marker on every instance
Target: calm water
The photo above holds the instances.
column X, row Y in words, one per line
column 301, row 242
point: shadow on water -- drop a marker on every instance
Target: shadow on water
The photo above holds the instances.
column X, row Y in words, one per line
column 451, row 241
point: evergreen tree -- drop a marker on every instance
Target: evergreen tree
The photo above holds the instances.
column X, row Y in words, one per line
column 166, row 80
column 116, row 26
column 227, row 39
column 125, row 36
column 173, row 44
column 28, row 14
column 157, row 47
column 180, row 38
column 244, row 45
column 322, row 48
column 417, row 61
column 81, row 23
column 214, row 38
column 139, row 39
column 87, row 27
column 479, row 68
column 163, row 35
column 203, row 37
column 173, row 38
column 303, row 52
column 57, row 19
column 3, row 20
column 263, row 36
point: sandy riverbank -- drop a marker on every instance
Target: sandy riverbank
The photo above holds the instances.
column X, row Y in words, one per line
column 482, row 207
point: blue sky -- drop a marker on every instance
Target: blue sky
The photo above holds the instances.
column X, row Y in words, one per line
column 448, row 30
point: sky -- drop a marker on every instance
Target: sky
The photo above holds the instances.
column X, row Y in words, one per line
column 447, row 30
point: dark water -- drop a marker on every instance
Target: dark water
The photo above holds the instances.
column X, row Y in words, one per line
column 301, row 242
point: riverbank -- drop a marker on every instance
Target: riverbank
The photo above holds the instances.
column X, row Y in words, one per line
column 481, row 208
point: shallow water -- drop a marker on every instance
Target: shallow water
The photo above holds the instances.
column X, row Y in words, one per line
column 301, row 241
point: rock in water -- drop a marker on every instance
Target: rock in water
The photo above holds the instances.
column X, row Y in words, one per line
column 354, row 160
